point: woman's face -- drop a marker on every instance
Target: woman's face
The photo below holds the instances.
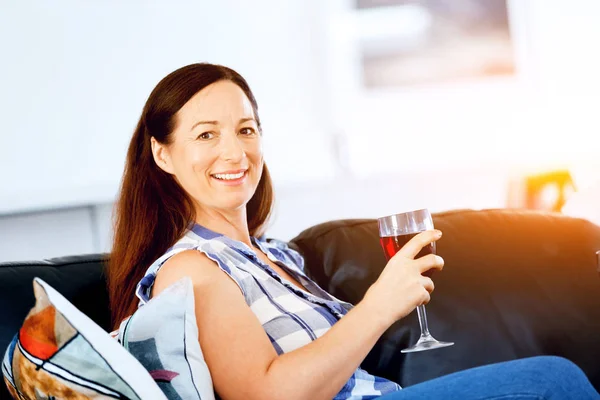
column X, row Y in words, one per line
column 216, row 150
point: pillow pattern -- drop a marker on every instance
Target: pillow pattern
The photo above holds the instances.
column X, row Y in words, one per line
column 162, row 334
column 61, row 353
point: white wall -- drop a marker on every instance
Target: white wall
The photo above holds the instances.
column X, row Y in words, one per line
column 87, row 230
column 305, row 205
column 48, row 234
column 78, row 73
column 75, row 75
column 544, row 117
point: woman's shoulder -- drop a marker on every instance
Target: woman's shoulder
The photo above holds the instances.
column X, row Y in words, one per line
column 196, row 265
column 182, row 254
column 195, row 256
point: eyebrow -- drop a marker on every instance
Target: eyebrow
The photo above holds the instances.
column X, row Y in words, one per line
column 241, row 121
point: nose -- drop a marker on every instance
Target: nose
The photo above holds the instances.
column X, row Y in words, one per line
column 232, row 149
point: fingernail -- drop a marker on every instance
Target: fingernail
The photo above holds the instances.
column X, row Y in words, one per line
column 438, row 233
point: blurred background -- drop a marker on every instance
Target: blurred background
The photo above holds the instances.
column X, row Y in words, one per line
column 370, row 107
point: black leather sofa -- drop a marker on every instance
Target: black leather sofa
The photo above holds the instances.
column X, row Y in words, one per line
column 515, row 284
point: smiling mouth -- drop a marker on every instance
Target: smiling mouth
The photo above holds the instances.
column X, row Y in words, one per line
column 230, row 176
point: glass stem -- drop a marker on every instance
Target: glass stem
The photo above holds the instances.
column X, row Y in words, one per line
column 423, row 321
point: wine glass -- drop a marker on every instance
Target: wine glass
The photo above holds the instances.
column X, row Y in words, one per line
column 394, row 232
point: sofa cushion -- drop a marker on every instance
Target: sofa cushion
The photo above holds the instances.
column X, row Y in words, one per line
column 163, row 335
column 515, row 284
column 60, row 353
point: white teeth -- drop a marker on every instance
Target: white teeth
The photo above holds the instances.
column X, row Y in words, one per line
column 229, row 177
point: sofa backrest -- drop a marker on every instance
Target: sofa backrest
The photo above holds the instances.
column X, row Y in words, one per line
column 79, row 278
column 515, row 284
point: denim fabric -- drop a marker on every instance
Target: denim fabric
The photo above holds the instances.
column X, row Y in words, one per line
column 535, row 378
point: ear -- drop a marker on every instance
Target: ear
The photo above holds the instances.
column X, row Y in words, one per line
column 161, row 155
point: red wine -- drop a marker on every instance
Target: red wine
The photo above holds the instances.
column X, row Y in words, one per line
column 391, row 245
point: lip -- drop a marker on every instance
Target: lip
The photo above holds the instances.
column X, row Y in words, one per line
column 235, row 182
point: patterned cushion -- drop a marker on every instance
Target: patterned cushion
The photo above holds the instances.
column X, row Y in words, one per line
column 61, row 353
column 163, row 335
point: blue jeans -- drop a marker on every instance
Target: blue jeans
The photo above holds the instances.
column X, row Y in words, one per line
column 535, row 378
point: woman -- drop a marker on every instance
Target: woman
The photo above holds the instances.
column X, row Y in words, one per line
column 196, row 195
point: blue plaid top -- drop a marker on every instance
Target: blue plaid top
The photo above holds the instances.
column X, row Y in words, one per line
column 290, row 316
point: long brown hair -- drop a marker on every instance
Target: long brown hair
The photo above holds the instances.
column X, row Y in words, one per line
column 152, row 211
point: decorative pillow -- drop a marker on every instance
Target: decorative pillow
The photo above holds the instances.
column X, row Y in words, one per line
column 163, row 336
column 60, row 353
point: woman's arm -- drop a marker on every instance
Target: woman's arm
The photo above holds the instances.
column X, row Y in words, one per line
column 242, row 360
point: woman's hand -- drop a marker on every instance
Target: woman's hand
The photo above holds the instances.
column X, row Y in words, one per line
column 401, row 287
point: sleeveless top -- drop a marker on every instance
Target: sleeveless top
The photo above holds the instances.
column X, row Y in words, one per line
column 290, row 316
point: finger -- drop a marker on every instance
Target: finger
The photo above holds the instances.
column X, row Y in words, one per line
column 426, row 298
column 430, row 261
column 416, row 244
column 428, row 284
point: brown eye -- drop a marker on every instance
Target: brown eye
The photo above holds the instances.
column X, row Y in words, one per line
column 247, row 131
column 206, row 136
